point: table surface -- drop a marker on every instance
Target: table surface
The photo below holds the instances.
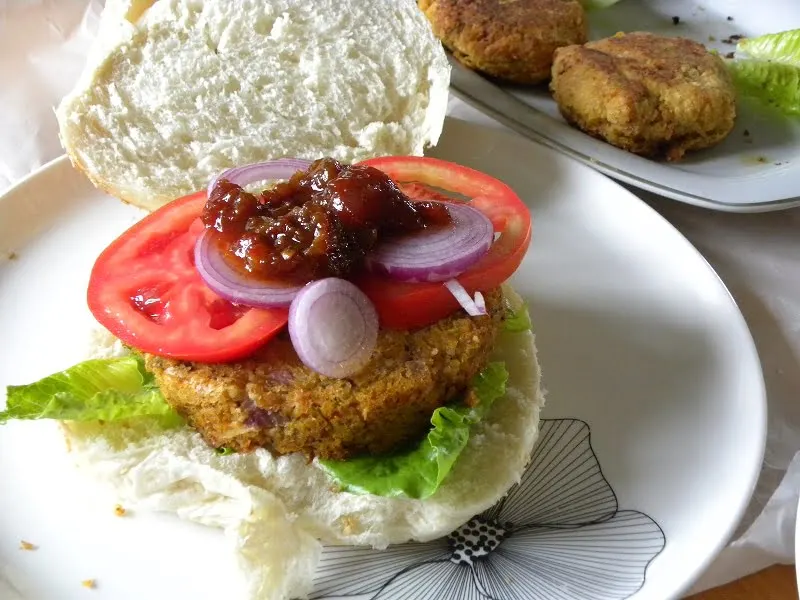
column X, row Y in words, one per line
column 775, row 583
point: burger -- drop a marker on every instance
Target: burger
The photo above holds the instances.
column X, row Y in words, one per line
column 335, row 359
column 309, row 351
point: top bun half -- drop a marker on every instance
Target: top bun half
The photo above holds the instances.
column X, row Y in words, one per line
column 175, row 91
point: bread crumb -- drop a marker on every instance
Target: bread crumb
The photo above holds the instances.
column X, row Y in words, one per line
column 351, row 525
column 119, row 510
column 89, row 583
column 13, row 256
column 23, row 545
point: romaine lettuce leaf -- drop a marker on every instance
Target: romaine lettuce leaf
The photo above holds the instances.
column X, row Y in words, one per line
column 109, row 389
column 783, row 47
column 597, row 4
column 517, row 319
column 774, row 83
column 120, row 388
column 419, row 472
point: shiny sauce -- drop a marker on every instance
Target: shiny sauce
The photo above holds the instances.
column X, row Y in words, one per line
column 322, row 222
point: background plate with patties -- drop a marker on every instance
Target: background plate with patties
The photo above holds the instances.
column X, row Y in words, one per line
column 756, row 168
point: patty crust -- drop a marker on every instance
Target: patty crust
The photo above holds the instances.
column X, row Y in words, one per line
column 272, row 400
column 513, row 40
column 651, row 95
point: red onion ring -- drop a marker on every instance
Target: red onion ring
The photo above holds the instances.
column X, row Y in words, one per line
column 474, row 308
column 333, row 327
column 272, row 169
column 234, row 286
column 437, row 254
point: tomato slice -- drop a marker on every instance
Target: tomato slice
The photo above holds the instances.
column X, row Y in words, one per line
column 145, row 289
column 412, row 305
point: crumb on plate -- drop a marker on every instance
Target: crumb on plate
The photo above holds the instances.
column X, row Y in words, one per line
column 733, row 39
column 23, row 545
column 89, row 583
column 119, row 510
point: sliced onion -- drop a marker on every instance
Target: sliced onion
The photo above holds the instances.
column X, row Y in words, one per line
column 437, row 254
column 234, row 286
column 474, row 307
column 333, row 327
column 480, row 303
column 272, row 169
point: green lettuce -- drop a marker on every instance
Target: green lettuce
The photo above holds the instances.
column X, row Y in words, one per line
column 597, row 4
column 517, row 319
column 776, row 84
column 121, row 388
column 419, row 472
column 783, row 47
column 772, row 73
column 110, row 389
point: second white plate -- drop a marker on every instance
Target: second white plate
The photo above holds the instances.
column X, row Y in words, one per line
column 755, row 169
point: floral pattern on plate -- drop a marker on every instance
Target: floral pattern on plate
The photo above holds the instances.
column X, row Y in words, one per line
column 557, row 534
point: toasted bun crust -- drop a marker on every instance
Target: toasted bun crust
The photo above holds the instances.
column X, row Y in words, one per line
column 278, row 509
column 176, row 91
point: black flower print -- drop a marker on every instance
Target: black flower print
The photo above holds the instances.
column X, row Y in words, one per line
column 558, row 534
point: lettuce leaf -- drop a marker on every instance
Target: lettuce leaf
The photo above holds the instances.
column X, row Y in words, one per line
column 120, row 388
column 109, row 389
column 783, row 47
column 772, row 73
column 419, row 472
column 776, row 84
column 597, row 4
column 517, row 319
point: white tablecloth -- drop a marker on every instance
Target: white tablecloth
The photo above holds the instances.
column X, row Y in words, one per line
column 42, row 47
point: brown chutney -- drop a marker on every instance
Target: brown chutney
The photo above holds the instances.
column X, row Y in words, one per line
column 322, row 222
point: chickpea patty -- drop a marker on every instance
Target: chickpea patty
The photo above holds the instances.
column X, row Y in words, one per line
column 272, row 400
column 513, row 40
column 651, row 95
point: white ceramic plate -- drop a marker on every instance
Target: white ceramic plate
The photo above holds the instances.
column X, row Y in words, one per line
column 754, row 169
column 640, row 343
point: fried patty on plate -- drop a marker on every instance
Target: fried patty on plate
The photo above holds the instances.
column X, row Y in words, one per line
column 651, row 95
column 513, row 40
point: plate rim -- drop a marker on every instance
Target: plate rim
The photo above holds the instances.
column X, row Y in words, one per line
column 55, row 167
column 618, row 174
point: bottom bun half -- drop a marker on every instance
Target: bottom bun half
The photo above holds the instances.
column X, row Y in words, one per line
column 278, row 510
